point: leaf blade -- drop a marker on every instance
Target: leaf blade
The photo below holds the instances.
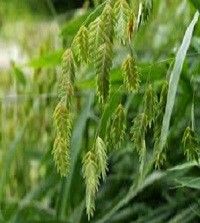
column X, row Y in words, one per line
column 174, row 79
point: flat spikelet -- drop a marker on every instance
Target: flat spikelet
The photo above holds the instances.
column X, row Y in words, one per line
column 62, row 119
column 191, row 145
column 68, row 73
column 103, row 65
column 116, row 129
column 90, row 174
column 108, row 22
column 160, row 159
column 101, row 156
column 61, row 155
column 122, row 14
column 150, row 104
column 80, row 44
column 96, row 36
column 130, row 73
column 101, row 31
column 138, row 131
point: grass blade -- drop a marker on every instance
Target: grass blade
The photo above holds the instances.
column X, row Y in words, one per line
column 174, row 79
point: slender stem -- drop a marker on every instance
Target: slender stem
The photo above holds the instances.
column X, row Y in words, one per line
column 192, row 114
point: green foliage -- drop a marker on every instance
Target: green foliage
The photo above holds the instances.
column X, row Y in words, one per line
column 196, row 4
column 174, row 79
column 99, row 40
column 19, row 75
column 56, row 114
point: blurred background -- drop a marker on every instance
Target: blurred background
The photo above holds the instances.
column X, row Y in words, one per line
column 33, row 35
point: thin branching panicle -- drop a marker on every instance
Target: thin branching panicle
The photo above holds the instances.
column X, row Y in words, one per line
column 191, row 145
column 150, row 104
column 138, row 131
column 160, row 158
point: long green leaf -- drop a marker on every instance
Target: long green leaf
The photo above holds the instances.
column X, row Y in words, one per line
column 191, row 182
column 174, row 79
